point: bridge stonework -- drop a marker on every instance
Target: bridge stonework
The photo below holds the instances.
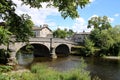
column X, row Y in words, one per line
column 50, row 43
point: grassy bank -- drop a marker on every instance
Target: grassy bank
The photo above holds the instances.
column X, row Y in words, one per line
column 43, row 72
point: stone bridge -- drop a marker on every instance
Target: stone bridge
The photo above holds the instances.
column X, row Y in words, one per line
column 50, row 46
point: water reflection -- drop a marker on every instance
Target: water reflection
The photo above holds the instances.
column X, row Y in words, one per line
column 24, row 59
column 106, row 69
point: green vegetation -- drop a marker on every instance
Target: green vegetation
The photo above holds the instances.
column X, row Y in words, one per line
column 4, row 36
column 4, row 68
column 66, row 8
column 77, row 50
column 59, row 33
column 100, row 23
column 89, row 47
column 42, row 72
column 104, row 38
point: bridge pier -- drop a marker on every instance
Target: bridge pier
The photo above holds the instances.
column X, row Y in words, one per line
column 53, row 54
column 12, row 60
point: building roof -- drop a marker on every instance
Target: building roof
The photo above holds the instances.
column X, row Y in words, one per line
column 83, row 33
column 40, row 28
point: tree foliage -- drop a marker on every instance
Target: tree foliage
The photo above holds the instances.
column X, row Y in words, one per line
column 101, row 23
column 89, row 47
column 4, row 36
column 105, row 37
column 66, row 8
column 107, row 40
column 70, row 33
column 21, row 27
column 59, row 33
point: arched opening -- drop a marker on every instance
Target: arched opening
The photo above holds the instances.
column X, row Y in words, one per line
column 27, row 53
column 40, row 50
column 62, row 50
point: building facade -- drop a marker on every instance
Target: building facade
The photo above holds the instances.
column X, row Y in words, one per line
column 80, row 37
column 42, row 31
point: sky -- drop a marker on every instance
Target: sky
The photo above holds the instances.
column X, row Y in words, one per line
column 53, row 18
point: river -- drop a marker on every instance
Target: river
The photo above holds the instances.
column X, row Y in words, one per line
column 105, row 69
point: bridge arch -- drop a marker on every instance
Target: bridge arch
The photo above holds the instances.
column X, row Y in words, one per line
column 62, row 50
column 38, row 50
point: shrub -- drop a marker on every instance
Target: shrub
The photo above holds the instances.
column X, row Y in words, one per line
column 89, row 47
column 4, row 68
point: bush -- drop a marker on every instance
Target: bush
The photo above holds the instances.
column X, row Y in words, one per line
column 89, row 47
column 4, row 68
column 4, row 77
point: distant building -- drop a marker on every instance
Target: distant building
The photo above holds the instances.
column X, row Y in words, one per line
column 80, row 37
column 42, row 31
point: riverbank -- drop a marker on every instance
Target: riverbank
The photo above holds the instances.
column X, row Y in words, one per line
column 42, row 72
column 112, row 57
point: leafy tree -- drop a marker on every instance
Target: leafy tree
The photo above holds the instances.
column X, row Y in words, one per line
column 89, row 47
column 66, row 8
column 70, row 33
column 107, row 40
column 59, row 33
column 115, row 34
column 101, row 23
column 95, row 37
column 63, row 33
column 4, row 36
column 20, row 26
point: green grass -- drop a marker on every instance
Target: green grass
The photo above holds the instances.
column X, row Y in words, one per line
column 4, row 68
column 43, row 72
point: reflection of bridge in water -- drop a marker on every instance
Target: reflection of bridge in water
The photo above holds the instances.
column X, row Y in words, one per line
column 52, row 47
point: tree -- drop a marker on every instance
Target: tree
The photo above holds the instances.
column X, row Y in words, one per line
column 4, row 36
column 21, row 27
column 70, row 33
column 115, row 34
column 59, row 33
column 89, row 47
column 95, row 36
column 66, row 8
column 107, row 40
column 101, row 23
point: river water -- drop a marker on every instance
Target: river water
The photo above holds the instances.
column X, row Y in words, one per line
column 105, row 69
